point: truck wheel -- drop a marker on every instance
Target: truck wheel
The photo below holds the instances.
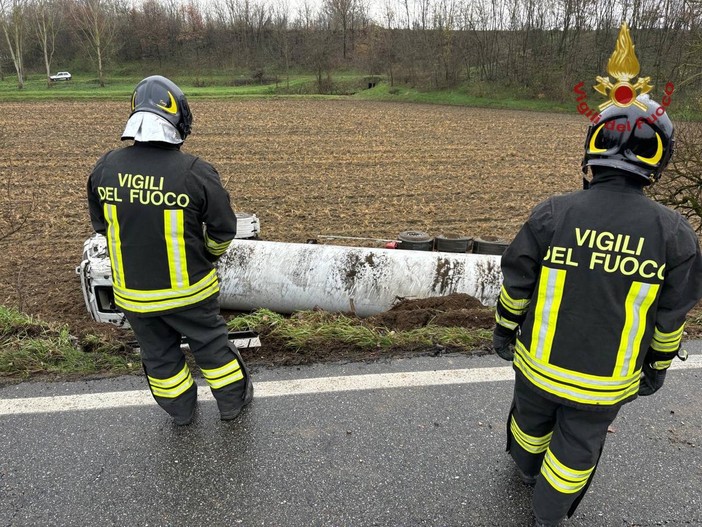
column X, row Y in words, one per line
column 491, row 245
column 452, row 243
column 415, row 241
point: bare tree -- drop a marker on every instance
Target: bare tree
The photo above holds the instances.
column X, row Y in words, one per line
column 305, row 15
column 47, row 21
column 341, row 14
column 97, row 21
column 193, row 31
column 681, row 184
column 151, row 28
column 12, row 19
column 281, row 25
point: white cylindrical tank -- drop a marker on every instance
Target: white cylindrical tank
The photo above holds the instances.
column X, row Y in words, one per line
column 287, row 277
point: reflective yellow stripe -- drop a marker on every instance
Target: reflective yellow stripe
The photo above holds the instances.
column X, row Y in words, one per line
column 574, row 386
column 504, row 322
column 137, row 295
column 638, row 301
column 175, row 246
column 224, row 375
column 661, row 364
column 532, row 444
column 226, row 381
column 563, row 479
column 222, row 370
column 115, row 244
column 162, row 305
column 214, row 247
column 547, row 304
column 667, row 342
column 517, row 307
column 173, row 386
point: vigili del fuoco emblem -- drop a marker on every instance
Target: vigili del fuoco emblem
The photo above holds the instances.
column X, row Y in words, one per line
column 623, row 66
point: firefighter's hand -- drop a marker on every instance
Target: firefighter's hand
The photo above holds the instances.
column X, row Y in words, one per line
column 503, row 341
column 651, row 379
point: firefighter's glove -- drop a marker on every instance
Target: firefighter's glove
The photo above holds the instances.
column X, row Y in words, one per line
column 651, row 379
column 503, row 340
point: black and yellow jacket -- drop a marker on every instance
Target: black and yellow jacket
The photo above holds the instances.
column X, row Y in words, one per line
column 593, row 280
column 166, row 217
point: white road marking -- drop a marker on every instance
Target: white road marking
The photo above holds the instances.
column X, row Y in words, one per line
column 104, row 400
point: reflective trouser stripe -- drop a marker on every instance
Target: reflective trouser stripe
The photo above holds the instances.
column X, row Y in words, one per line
column 548, row 302
column 114, row 243
column 638, row 302
column 174, row 235
column 532, row 444
column 173, row 386
column 667, row 342
column 563, row 479
column 224, row 375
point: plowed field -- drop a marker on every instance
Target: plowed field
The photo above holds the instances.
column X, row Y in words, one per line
column 305, row 167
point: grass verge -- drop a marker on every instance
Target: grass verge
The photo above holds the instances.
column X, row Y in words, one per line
column 315, row 330
column 33, row 349
column 29, row 347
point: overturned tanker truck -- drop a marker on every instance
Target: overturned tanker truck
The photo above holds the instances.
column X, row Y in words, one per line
column 288, row 277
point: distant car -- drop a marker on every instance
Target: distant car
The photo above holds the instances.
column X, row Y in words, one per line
column 61, row 76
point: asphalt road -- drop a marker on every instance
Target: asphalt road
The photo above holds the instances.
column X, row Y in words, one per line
column 428, row 455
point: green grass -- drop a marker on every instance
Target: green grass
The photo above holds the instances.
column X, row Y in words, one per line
column 29, row 347
column 306, row 330
column 477, row 96
column 211, row 86
column 220, row 86
column 461, row 97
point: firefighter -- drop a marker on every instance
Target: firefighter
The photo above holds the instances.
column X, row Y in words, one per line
column 167, row 219
column 597, row 285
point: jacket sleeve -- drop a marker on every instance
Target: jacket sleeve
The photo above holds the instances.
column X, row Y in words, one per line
column 97, row 217
column 217, row 214
column 681, row 290
column 521, row 264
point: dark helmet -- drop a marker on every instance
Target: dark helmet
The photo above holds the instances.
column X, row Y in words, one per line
column 631, row 139
column 157, row 94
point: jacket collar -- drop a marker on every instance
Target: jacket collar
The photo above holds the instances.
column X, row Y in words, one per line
column 156, row 144
column 616, row 180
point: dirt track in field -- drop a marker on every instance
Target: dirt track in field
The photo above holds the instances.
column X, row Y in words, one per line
column 305, row 167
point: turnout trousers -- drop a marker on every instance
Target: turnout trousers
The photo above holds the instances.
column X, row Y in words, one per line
column 560, row 444
column 167, row 371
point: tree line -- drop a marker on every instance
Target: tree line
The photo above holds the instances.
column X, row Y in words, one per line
column 540, row 48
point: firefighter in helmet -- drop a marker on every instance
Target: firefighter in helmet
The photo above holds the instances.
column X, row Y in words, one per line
column 167, row 219
column 597, row 285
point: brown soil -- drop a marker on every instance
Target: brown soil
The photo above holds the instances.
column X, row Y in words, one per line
column 305, row 167
column 457, row 310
